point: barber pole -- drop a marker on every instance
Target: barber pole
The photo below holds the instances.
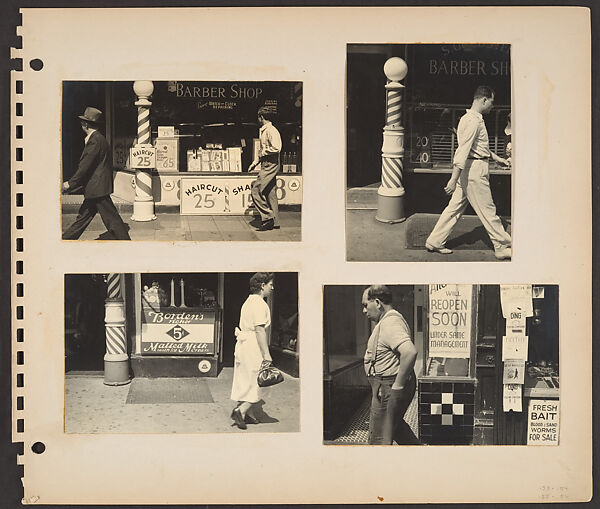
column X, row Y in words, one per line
column 116, row 360
column 143, row 206
column 390, row 195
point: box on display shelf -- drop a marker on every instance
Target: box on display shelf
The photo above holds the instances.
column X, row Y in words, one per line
column 215, row 159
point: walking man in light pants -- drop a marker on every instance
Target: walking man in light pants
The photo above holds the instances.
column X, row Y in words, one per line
column 470, row 183
column 264, row 188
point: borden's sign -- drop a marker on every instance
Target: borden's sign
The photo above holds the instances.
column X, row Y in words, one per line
column 450, row 315
column 173, row 331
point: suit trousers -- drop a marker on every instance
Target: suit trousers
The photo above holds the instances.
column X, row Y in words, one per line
column 264, row 189
column 388, row 406
column 109, row 214
column 473, row 187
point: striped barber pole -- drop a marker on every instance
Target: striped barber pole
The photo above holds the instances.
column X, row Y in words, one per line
column 114, row 320
column 143, row 185
column 391, row 172
column 143, row 125
column 394, row 107
column 113, row 290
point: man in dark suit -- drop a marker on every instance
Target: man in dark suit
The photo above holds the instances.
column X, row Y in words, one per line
column 95, row 175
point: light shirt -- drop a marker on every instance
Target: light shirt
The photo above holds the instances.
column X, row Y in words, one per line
column 89, row 135
column 390, row 332
column 270, row 140
column 473, row 141
column 255, row 311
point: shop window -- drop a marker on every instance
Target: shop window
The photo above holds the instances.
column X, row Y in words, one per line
column 284, row 322
column 180, row 290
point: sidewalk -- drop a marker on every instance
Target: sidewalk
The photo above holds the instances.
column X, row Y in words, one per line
column 92, row 407
column 170, row 226
column 370, row 240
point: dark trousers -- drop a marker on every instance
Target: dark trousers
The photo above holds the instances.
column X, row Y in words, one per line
column 108, row 212
column 264, row 189
column 388, row 406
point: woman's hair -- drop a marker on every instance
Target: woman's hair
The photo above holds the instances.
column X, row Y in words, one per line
column 380, row 292
column 258, row 279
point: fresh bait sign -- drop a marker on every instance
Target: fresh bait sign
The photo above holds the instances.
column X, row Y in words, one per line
column 178, row 331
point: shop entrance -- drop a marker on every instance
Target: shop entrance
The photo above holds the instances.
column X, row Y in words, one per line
column 235, row 292
column 85, row 336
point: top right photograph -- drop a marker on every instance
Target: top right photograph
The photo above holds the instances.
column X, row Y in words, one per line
column 429, row 152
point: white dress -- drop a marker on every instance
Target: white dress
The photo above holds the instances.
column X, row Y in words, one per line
column 248, row 357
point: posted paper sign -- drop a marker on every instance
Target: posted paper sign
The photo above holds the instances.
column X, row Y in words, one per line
column 511, row 399
column 543, row 418
column 515, row 346
column 450, row 314
column 514, row 371
column 516, row 298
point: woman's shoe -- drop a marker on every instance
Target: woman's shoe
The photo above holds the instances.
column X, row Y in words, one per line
column 237, row 417
column 248, row 419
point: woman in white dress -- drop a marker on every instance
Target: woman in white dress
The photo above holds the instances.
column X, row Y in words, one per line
column 251, row 348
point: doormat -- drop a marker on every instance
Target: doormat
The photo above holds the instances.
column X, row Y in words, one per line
column 468, row 233
column 168, row 390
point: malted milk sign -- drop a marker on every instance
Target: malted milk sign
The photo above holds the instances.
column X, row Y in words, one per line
column 450, row 318
column 231, row 195
column 178, row 331
column 543, row 418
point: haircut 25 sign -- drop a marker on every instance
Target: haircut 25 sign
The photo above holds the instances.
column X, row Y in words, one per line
column 450, row 318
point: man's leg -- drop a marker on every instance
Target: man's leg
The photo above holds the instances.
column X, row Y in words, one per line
column 260, row 201
column 449, row 217
column 86, row 213
column 403, row 434
column 111, row 218
column 377, row 413
column 271, row 194
column 479, row 195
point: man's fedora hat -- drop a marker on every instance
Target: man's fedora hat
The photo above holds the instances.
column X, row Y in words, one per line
column 91, row 115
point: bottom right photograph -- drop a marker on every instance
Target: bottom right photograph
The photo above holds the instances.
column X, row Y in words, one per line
column 441, row 364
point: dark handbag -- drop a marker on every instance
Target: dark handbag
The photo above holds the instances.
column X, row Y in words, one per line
column 268, row 375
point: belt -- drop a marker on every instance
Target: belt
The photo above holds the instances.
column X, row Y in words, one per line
column 479, row 158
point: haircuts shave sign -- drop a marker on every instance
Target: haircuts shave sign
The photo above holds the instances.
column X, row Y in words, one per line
column 450, row 320
column 178, row 331
column 231, row 196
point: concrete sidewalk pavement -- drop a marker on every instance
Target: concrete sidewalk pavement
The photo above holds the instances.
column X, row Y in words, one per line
column 92, row 407
column 169, row 225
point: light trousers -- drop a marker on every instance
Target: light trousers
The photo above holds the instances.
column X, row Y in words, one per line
column 473, row 187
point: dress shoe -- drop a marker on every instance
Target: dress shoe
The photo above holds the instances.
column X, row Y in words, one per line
column 266, row 225
column 248, row 419
column 236, row 415
column 435, row 249
column 503, row 254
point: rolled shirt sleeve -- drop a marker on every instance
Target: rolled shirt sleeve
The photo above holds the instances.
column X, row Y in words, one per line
column 270, row 140
column 467, row 132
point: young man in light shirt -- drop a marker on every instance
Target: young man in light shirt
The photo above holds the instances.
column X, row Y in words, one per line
column 469, row 182
column 264, row 188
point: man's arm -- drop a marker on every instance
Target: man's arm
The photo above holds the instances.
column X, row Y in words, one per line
column 498, row 159
column 86, row 164
column 408, row 356
column 467, row 131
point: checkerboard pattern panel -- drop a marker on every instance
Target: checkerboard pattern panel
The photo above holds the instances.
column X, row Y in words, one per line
column 446, row 412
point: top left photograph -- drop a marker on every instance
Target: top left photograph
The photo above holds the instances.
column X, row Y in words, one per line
column 181, row 160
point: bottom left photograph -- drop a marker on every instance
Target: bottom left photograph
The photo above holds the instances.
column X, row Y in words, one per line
column 213, row 352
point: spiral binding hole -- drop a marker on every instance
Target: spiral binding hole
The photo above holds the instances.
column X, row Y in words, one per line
column 38, row 447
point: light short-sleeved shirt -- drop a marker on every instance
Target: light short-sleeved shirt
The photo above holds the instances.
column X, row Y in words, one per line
column 473, row 140
column 255, row 311
column 270, row 140
column 390, row 332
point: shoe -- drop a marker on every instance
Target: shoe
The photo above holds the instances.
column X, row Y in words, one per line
column 236, row 415
column 266, row 225
column 248, row 419
column 503, row 254
column 434, row 249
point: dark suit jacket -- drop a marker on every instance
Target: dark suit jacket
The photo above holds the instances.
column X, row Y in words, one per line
column 94, row 172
